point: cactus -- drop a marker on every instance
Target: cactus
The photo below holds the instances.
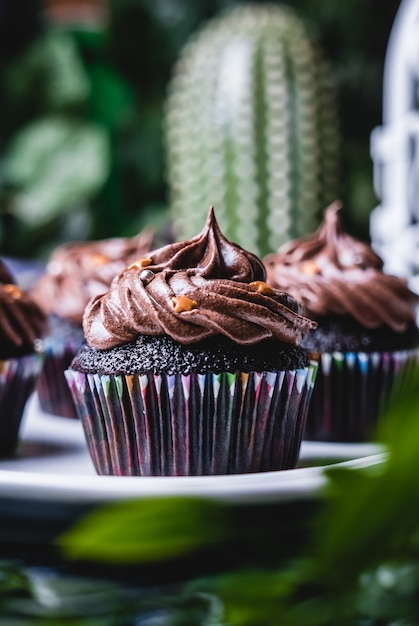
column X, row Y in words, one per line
column 251, row 127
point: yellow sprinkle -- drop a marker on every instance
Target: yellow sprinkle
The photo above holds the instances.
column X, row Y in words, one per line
column 183, row 303
column 138, row 265
column 262, row 287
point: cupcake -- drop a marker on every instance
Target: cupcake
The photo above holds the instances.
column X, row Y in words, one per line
column 192, row 365
column 367, row 337
column 75, row 273
column 22, row 324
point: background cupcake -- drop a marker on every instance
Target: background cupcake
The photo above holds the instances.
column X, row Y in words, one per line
column 75, row 273
column 192, row 365
column 367, row 335
column 22, row 324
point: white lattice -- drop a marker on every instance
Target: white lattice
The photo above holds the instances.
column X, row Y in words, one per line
column 394, row 223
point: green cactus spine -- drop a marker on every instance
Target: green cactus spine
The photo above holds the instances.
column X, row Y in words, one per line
column 251, row 127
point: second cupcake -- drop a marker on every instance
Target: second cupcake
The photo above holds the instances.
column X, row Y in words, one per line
column 367, row 337
column 192, row 365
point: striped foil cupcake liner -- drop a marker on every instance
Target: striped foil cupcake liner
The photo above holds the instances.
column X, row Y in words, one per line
column 196, row 424
column 52, row 388
column 17, row 381
column 353, row 390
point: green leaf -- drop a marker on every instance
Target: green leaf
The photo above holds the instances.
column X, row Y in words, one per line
column 141, row 531
column 372, row 514
column 55, row 163
column 13, row 580
column 66, row 80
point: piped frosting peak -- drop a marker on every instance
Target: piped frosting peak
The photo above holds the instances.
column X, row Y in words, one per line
column 330, row 272
column 192, row 290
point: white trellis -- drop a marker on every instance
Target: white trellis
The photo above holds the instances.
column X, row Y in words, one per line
column 394, row 224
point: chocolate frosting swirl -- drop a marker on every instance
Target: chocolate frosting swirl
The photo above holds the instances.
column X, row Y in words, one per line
column 78, row 271
column 22, row 322
column 330, row 272
column 192, row 290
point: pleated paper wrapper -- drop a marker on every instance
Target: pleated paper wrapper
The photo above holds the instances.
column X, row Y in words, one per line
column 353, row 390
column 17, row 382
column 54, row 395
column 195, row 424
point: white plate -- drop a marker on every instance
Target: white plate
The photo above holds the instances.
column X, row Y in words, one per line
column 53, row 464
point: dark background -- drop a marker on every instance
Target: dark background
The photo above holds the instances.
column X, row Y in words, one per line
column 127, row 59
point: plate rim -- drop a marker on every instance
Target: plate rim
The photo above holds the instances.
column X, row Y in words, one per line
column 306, row 481
column 278, row 485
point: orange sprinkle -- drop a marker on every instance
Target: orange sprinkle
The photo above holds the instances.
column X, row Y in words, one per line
column 183, row 303
column 262, row 287
column 96, row 260
column 13, row 291
column 137, row 265
column 310, row 267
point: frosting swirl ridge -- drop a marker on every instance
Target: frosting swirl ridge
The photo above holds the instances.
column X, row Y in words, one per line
column 330, row 272
column 192, row 290
column 21, row 320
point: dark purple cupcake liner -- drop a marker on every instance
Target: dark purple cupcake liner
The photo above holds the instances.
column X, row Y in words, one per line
column 196, row 424
column 17, row 381
column 52, row 388
column 353, row 390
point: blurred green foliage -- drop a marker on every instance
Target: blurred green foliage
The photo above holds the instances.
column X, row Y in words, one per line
column 102, row 89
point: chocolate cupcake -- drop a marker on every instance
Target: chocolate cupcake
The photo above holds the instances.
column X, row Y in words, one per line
column 192, row 365
column 75, row 273
column 22, row 324
column 367, row 336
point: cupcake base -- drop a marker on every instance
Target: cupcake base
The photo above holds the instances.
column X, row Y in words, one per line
column 352, row 391
column 195, row 424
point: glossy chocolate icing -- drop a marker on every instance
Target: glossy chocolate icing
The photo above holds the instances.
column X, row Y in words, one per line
column 22, row 322
column 332, row 273
column 192, row 290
